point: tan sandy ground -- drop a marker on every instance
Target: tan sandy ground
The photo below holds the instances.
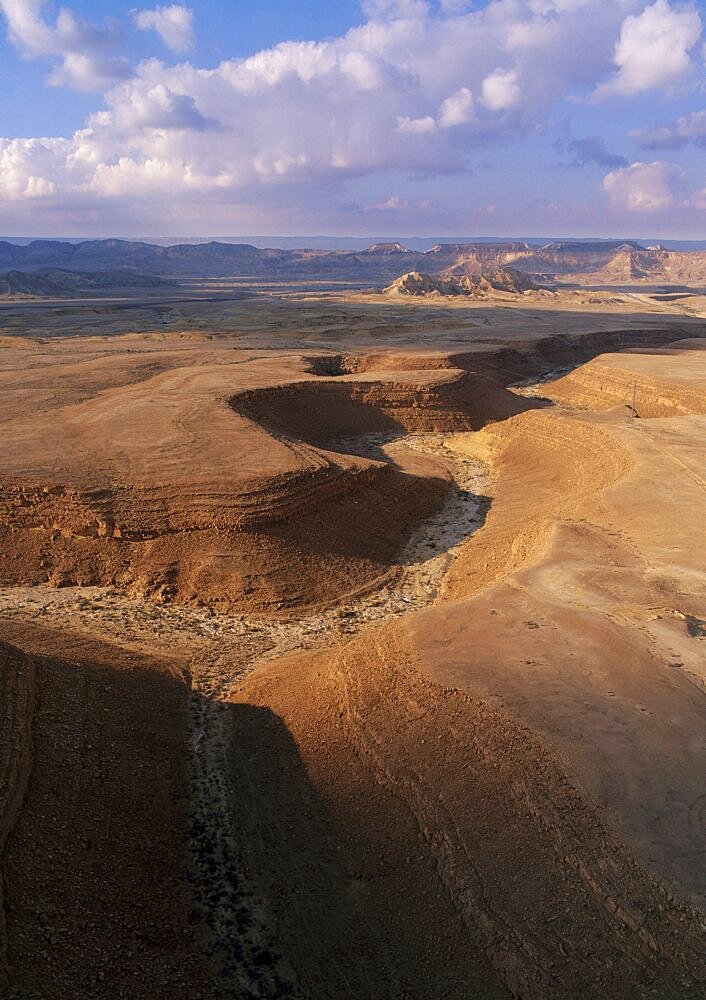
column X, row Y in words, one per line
column 575, row 611
column 314, row 314
column 486, row 797
column 581, row 623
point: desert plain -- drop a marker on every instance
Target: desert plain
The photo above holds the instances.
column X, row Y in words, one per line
column 352, row 640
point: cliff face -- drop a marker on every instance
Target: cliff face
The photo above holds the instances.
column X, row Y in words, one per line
column 212, row 495
column 462, row 279
column 614, row 380
column 116, row 259
column 181, row 478
column 636, row 264
column 473, row 769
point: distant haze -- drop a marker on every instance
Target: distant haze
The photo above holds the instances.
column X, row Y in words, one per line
column 420, row 243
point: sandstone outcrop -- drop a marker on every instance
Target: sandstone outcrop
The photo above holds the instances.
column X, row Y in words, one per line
column 462, row 280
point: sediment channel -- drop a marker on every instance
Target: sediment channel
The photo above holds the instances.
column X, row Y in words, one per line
column 223, row 650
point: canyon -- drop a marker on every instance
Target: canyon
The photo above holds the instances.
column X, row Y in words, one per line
column 352, row 644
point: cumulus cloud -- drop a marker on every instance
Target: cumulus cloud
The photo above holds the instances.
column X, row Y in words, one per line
column 644, row 187
column 418, row 88
column 85, row 52
column 501, row 90
column 653, row 49
column 697, row 200
column 26, row 168
column 458, row 109
column 155, row 107
column 174, row 25
column 675, row 135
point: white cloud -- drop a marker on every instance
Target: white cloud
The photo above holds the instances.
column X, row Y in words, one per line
column 653, row 49
column 156, row 107
column 688, row 128
column 85, row 51
column 698, row 200
column 414, row 89
column 391, row 204
column 174, row 25
column 500, row 90
column 27, row 167
column 457, row 109
column 26, row 28
column 416, row 126
column 644, row 187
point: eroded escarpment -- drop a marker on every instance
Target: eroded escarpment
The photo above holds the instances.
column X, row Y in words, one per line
column 173, row 504
column 327, row 525
column 208, row 481
column 367, row 819
column 559, row 351
column 334, row 546
column 424, row 837
column 547, row 467
column 132, row 513
column 503, row 364
column 322, row 412
column 658, row 384
column 178, row 487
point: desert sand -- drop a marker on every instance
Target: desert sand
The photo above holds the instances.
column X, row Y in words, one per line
column 353, row 648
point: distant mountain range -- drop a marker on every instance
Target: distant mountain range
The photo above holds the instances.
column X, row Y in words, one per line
column 595, row 262
column 54, row 281
column 355, row 244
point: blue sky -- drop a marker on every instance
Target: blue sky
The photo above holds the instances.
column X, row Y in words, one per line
column 28, row 107
column 398, row 117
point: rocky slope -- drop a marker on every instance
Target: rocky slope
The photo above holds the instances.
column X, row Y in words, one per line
column 599, row 262
column 478, row 774
column 629, row 264
column 433, row 832
column 609, row 381
column 55, row 281
column 166, row 512
column 461, row 280
column 93, row 769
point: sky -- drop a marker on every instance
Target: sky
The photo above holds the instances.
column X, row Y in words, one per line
column 395, row 117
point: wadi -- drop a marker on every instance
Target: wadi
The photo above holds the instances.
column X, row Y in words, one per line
column 352, row 614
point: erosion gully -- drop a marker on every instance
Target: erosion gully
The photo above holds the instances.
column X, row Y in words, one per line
column 223, row 649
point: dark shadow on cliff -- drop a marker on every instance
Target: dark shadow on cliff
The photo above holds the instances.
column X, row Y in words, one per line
column 95, row 897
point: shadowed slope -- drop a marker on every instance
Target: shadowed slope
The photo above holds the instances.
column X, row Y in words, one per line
column 94, row 899
column 454, row 838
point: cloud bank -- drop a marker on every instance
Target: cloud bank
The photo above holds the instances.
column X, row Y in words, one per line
column 416, row 88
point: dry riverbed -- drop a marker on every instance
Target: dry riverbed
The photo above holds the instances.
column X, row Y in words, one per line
column 221, row 650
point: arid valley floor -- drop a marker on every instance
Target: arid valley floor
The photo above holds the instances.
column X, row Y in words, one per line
column 352, row 645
